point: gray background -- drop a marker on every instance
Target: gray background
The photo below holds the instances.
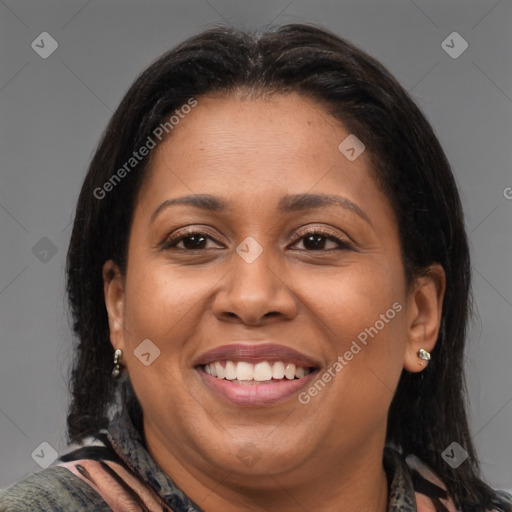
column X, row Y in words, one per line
column 53, row 111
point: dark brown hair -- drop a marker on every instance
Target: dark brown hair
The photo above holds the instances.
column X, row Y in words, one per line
column 428, row 411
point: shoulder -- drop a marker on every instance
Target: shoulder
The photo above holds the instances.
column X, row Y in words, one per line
column 412, row 481
column 505, row 500
column 428, row 486
column 54, row 489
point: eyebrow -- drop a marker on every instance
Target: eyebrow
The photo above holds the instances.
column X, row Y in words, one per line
column 288, row 203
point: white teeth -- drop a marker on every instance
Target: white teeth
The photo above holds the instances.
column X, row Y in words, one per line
column 219, row 370
column 230, row 370
column 278, row 370
column 289, row 371
column 244, row 371
column 260, row 372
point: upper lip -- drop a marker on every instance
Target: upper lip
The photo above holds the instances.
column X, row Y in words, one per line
column 271, row 352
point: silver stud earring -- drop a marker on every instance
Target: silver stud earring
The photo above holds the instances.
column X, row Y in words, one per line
column 116, row 372
column 423, row 355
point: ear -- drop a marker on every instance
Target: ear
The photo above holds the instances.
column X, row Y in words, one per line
column 113, row 289
column 424, row 308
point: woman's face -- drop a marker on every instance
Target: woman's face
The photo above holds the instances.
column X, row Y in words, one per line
column 269, row 263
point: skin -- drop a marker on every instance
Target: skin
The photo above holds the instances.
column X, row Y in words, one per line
column 251, row 152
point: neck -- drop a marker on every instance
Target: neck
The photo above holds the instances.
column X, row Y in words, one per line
column 357, row 485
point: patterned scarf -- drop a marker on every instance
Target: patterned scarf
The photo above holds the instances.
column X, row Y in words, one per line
column 120, row 469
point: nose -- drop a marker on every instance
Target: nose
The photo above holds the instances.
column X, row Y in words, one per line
column 254, row 293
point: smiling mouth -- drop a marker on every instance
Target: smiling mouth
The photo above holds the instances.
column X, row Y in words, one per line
column 263, row 372
column 255, row 374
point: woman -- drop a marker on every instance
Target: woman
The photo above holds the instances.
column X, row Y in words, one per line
column 269, row 280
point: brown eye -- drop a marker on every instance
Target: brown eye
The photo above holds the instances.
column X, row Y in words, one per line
column 194, row 242
column 320, row 241
column 190, row 241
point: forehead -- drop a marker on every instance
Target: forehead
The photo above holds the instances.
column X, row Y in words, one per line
column 255, row 145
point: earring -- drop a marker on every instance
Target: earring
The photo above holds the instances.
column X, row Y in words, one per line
column 116, row 372
column 424, row 355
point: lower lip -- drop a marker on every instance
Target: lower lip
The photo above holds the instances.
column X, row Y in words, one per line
column 256, row 394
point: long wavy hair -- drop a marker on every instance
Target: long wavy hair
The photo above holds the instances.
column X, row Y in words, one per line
column 428, row 411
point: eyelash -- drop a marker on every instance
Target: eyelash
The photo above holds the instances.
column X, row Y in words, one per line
column 170, row 243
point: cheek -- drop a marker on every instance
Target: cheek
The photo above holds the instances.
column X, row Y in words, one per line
column 160, row 300
column 167, row 306
column 352, row 299
column 362, row 314
column 160, row 306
